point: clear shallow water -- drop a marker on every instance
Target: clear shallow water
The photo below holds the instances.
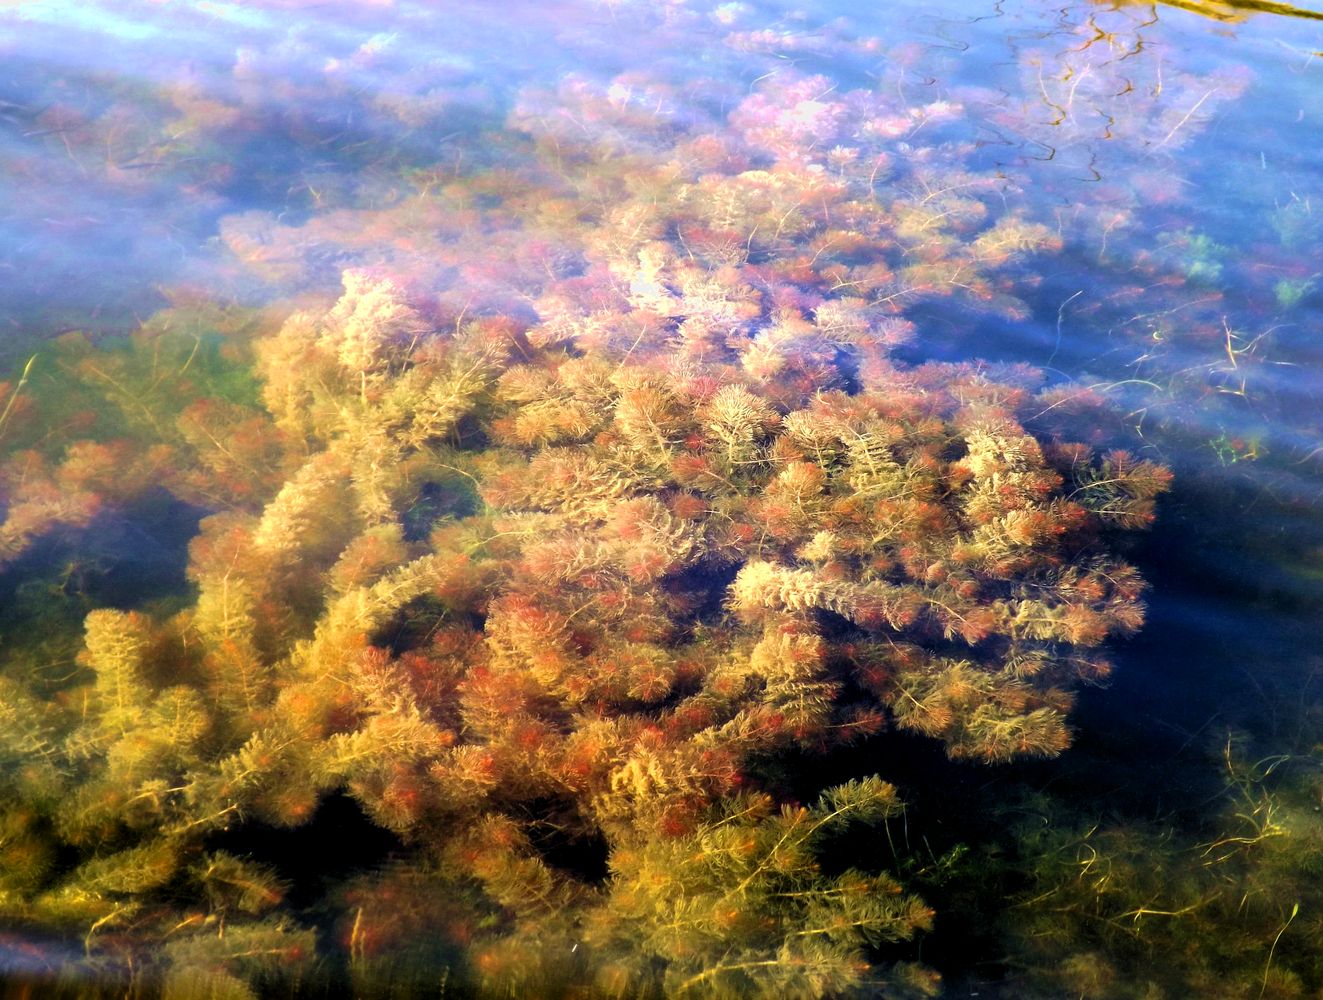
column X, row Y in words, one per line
column 1127, row 199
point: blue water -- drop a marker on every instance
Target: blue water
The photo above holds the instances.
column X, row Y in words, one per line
column 1164, row 168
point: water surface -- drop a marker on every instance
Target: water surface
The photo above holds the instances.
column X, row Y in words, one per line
column 1113, row 214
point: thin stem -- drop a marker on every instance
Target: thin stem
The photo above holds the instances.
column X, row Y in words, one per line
column 13, row 396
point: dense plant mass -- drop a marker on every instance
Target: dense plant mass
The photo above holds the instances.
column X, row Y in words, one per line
column 519, row 590
column 546, row 543
column 573, row 581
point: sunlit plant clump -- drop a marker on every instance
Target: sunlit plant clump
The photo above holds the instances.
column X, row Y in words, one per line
column 511, row 597
column 550, row 565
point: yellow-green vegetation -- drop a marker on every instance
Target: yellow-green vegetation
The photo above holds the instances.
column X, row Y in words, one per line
column 1138, row 911
column 510, row 592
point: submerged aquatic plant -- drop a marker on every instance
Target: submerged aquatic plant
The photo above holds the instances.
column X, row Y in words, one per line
column 1128, row 910
column 545, row 544
column 651, row 575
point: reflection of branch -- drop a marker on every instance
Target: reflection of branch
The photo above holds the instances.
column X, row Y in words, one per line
column 1042, row 89
column 1232, row 11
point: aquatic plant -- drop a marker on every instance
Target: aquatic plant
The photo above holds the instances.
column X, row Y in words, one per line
column 1290, row 293
column 647, row 577
column 1133, row 909
column 597, row 491
column 98, row 427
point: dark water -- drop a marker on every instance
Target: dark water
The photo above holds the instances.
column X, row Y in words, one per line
column 217, row 787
